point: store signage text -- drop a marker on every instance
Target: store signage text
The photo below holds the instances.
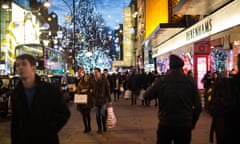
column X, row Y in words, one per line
column 200, row 29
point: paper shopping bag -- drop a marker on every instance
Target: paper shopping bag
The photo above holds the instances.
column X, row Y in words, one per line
column 80, row 98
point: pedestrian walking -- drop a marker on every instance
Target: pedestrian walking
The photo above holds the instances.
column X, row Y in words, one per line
column 225, row 107
column 179, row 104
column 39, row 110
column 133, row 86
column 86, row 87
column 101, row 92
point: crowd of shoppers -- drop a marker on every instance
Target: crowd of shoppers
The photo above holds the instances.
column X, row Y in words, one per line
column 175, row 94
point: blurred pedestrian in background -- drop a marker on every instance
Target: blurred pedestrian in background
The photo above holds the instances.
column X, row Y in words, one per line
column 225, row 107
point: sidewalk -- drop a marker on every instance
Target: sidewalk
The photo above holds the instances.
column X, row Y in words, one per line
column 136, row 125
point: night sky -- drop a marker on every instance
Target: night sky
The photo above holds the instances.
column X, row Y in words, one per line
column 111, row 10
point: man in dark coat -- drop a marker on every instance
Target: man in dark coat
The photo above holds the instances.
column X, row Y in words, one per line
column 133, row 85
column 39, row 110
column 179, row 104
column 101, row 93
column 225, row 108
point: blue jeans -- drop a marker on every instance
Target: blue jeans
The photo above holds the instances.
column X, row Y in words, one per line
column 101, row 117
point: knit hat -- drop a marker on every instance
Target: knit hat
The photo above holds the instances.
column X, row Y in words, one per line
column 175, row 62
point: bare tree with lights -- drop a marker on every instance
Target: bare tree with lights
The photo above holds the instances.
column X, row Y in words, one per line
column 93, row 40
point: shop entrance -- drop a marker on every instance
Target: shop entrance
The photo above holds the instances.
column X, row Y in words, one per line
column 201, row 66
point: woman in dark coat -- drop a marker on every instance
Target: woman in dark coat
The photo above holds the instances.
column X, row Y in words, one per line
column 85, row 87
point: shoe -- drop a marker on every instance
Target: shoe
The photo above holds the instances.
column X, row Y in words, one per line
column 85, row 131
column 89, row 129
column 99, row 132
column 104, row 129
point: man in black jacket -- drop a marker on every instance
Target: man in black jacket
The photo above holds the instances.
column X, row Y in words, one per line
column 179, row 104
column 39, row 110
column 101, row 93
column 225, row 107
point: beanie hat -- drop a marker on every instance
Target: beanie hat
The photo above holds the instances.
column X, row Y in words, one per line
column 175, row 62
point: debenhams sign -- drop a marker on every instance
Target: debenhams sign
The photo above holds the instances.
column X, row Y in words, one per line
column 200, row 29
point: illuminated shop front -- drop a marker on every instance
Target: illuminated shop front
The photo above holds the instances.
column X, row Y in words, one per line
column 21, row 29
column 185, row 53
column 210, row 44
column 5, row 17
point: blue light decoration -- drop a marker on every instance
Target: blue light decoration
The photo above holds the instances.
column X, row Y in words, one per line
column 218, row 60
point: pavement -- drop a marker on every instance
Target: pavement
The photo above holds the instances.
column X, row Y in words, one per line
column 136, row 124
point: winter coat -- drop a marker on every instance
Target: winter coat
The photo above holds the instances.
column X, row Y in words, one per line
column 179, row 99
column 133, row 83
column 224, row 108
column 101, row 91
column 46, row 117
column 89, row 86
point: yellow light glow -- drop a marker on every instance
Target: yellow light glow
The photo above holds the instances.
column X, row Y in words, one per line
column 156, row 12
column 47, row 4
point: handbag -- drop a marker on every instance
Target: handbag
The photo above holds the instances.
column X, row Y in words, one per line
column 111, row 117
column 80, row 98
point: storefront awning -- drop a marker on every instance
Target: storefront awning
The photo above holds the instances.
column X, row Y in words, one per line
column 198, row 7
column 163, row 32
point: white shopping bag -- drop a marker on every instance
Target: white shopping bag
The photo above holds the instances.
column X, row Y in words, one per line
column 142, row 91
column 80, row 98
column 111, row 117
column 127, row 94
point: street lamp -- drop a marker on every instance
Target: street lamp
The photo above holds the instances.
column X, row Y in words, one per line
column 72, row 13
column 47, row 4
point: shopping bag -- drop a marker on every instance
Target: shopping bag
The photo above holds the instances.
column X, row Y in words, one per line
column 111, row 117
column 80, row 98
column 127, row 94
column 141, row 93
column 121, row 89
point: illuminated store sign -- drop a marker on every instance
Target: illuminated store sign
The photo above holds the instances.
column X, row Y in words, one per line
column 200, row 29
column 225, row 18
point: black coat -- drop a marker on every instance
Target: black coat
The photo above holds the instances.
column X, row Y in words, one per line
column 101, row 91
column 179, row 99
column 224, row 108
column 40, row 124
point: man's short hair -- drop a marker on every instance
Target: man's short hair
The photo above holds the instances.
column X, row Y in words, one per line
column 98, row 69
column 31, row 59
column 105, row 70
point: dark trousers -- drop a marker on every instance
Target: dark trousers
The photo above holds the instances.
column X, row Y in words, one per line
column 175, row 134
column 86, row 118
column 134, row 97
column 101, row 117
column 116, row 94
